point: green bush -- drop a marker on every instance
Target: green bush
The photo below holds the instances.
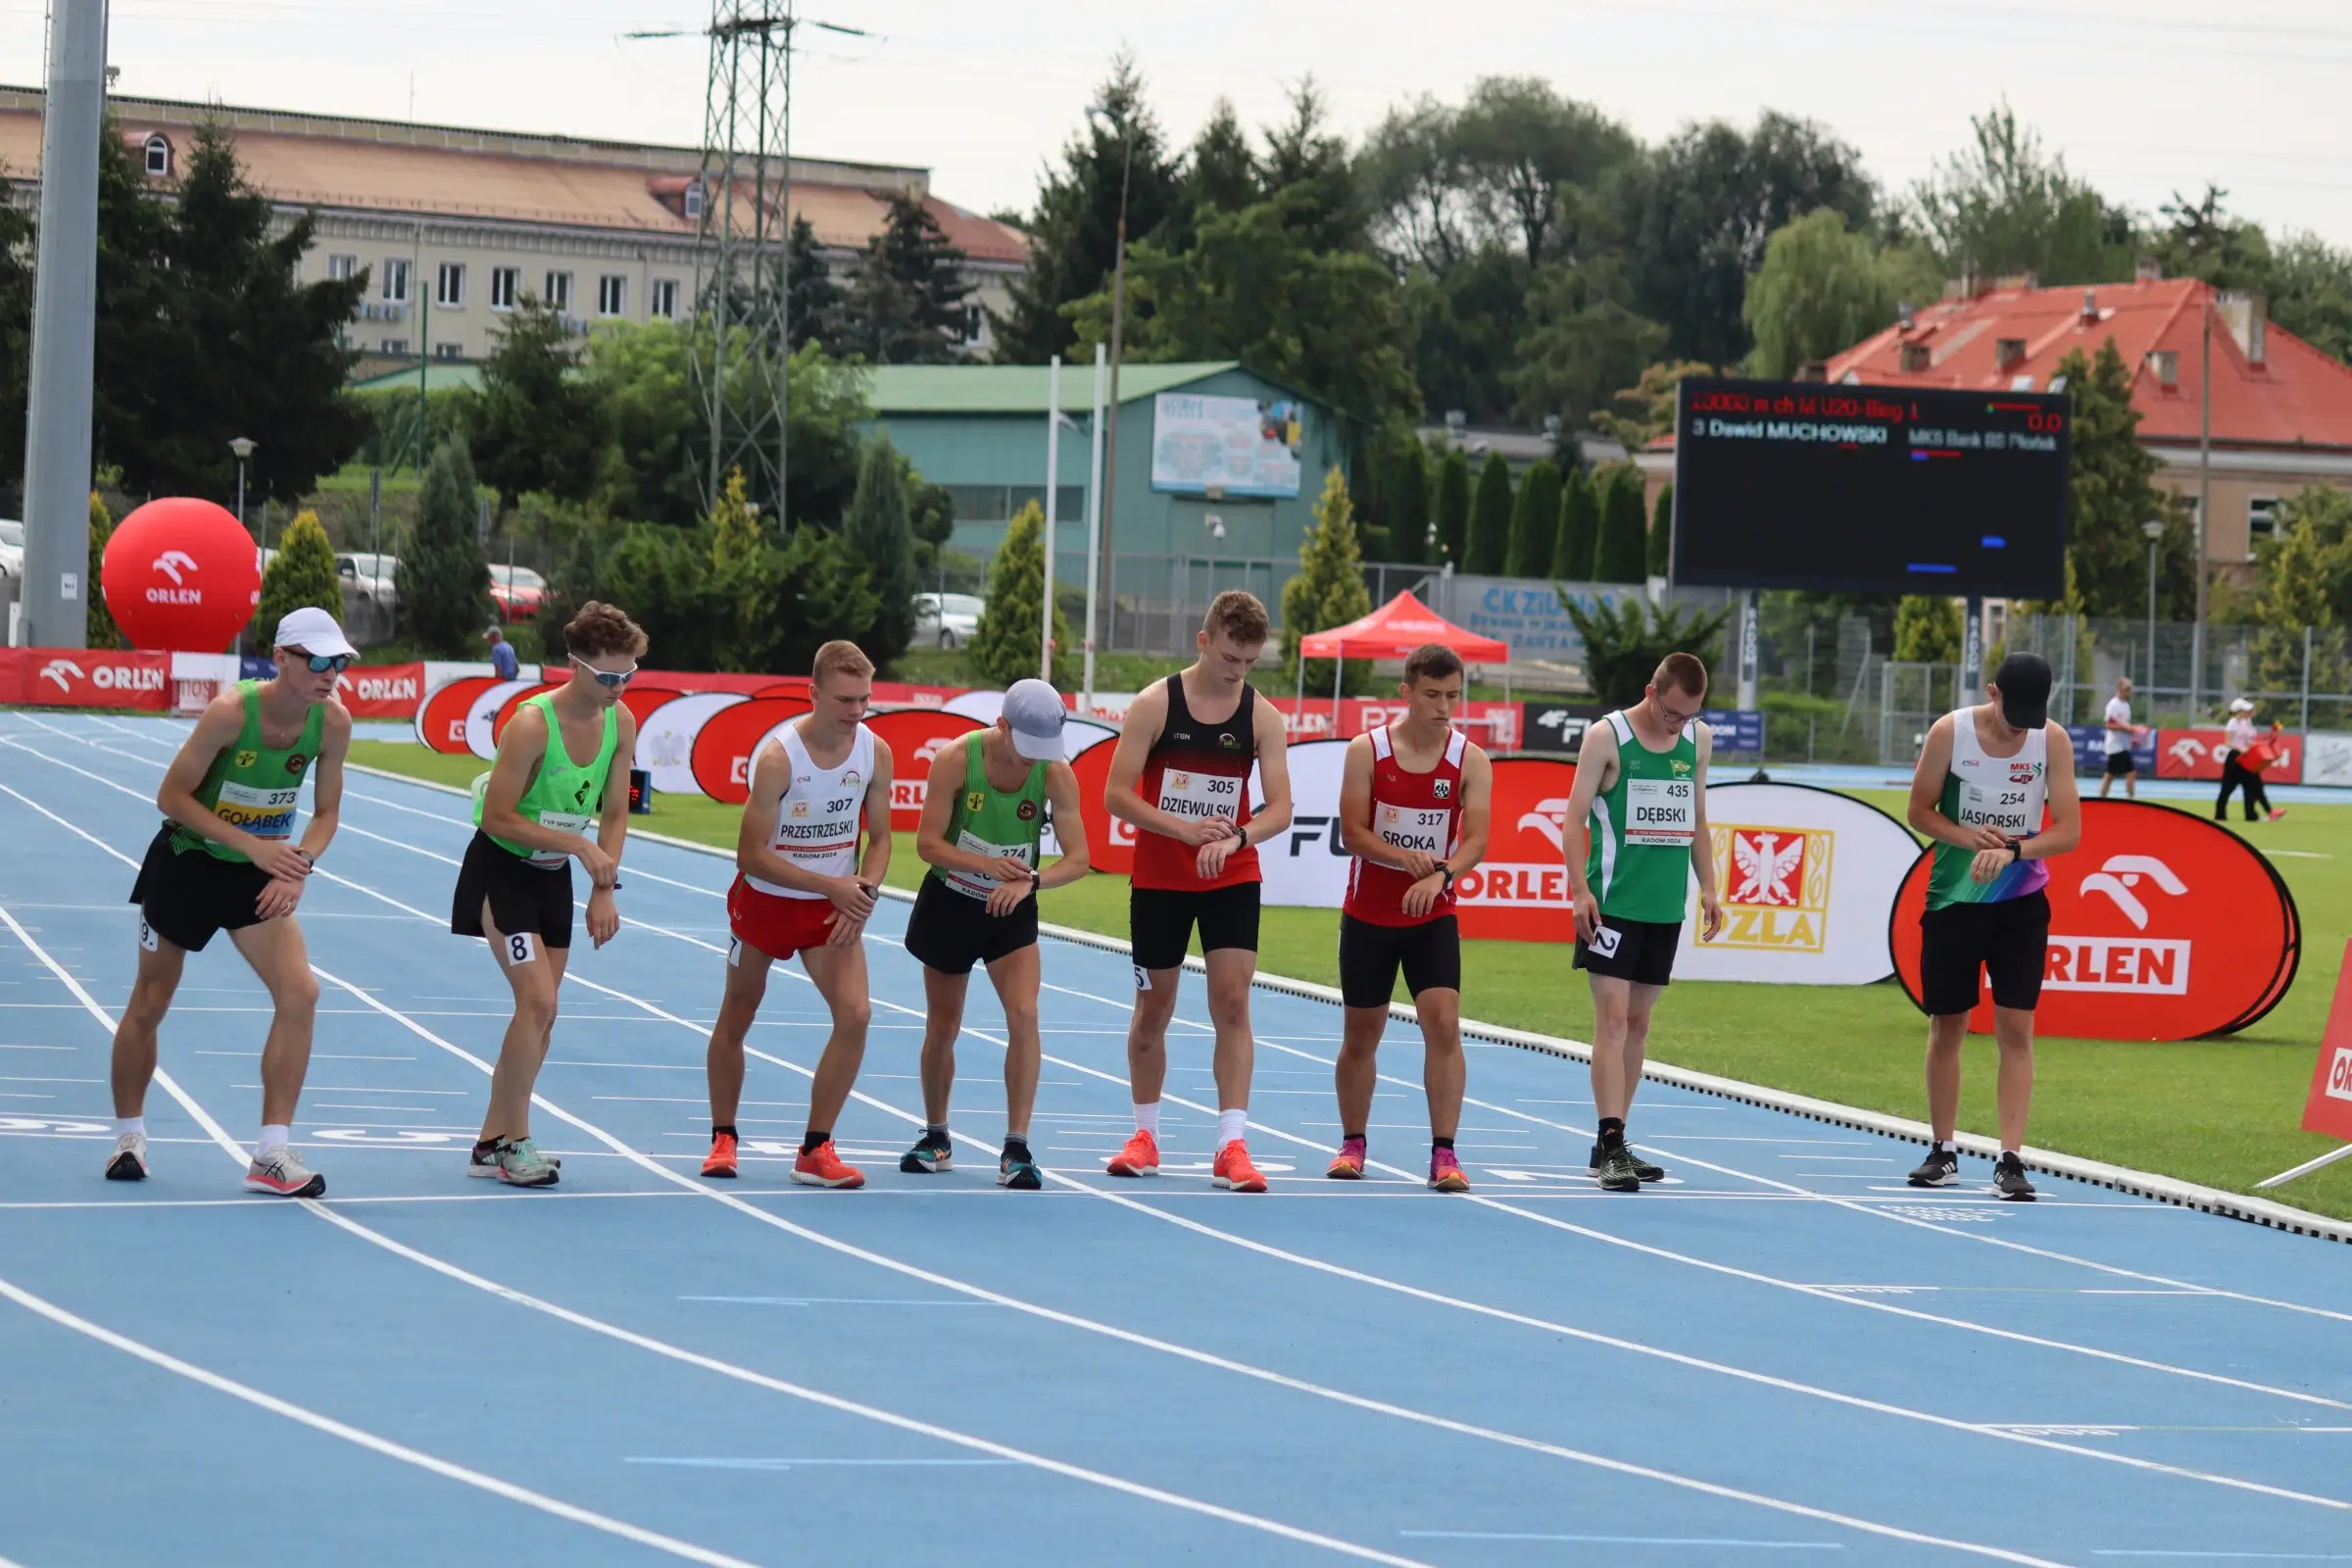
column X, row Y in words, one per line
column 1579, row 528
column 1535, row 520
column 1004, row 646
column 1624, row 643
column 1622, row 553
column 1453, row 510
column 1329, row 591
column 1489, row 549
column 301, row 575
column 1661, row 532
column 444, row 582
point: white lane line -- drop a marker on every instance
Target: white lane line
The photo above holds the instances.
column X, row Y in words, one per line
column 1624, row 1541
column 691, row 1462
column 723, row 1368
column 557, row 1507
column 1547, row 1326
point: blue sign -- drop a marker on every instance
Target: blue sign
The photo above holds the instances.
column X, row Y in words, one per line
column 2090, row 749
column 1736, row 729
column 1527, row 614
column 254, row 668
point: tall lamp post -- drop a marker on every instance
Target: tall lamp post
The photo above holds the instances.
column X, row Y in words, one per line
column 1118, row 324
column 2154, row 529
column 243, row 447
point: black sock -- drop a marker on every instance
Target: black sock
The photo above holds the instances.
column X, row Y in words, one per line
column 812, row 1140
column 935, row 1134
column 1016, row 1146
column 1354, row 1137
column 719, row 1128
column 485, row 1146
column 1436, row 1144
column 1612, row 1129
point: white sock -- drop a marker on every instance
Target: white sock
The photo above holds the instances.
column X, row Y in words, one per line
column 1231, row 1124
column 1946, row 1147
column 125, row 1126
column 274, row 1138
column 1146, row 1118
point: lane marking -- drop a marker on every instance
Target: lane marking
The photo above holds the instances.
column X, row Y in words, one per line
column 1623, row 1541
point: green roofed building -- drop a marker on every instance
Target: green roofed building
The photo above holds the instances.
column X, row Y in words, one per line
column 1218, row 471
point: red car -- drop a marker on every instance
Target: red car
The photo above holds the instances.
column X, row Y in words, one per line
column 516, row 592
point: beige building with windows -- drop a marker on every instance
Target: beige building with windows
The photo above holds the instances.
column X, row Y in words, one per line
column 452, row 227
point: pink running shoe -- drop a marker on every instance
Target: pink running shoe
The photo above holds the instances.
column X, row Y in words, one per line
column 1445, row 1172
column 1347, row 1165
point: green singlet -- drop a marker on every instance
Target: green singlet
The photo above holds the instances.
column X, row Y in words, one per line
column 1642, row 827
column 251, row 786
column 986, row 820
column 562, row 795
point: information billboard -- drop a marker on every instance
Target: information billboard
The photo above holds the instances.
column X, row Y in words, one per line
column 1234, row 446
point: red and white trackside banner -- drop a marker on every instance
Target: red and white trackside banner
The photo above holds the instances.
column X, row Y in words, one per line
column 2197, row 753
column 2329, row 1109
column 85, row 677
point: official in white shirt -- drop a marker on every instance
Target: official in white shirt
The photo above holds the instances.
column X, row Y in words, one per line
column 2120, row 732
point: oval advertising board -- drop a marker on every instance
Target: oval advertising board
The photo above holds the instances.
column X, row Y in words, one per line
column 665, row 738
column 441, row 720
column 2164, row 925
column 914, row 736
column 1806, row 878
column 723, row 747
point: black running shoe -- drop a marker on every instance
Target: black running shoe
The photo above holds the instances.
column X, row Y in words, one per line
column 1018, row 1171
column 1619, row 1171
column 1941, row 1168
column 1641, row 1167
column 928, row 1158
column 2009, row 1180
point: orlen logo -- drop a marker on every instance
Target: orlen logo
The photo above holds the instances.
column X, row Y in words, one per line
column 383, row 688
column 1520, row 890
column 106, row 677
column 2145, row 964
column 57, row 670
column 172, row 563
column 2120, row 877
column 2187, row 750
column 1550, row 818
column 2340, row 1074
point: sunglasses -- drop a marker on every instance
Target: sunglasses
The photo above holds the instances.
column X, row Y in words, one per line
column 320, row 664
column 605, row 677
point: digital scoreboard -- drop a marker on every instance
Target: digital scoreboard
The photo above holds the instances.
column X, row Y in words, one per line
column 1871, row 490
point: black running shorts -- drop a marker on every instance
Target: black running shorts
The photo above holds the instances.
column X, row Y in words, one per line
column 1160, row 922
column 185, row 897
column 1640, row 950
column 2008, row 941
column 524, row 898
column 1429, row 955
column 951, row 931
column 2119, row 765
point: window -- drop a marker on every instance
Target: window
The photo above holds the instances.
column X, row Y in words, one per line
column 505, row 284
column 694, row 200
column 2262, row 523
column 967, row 324
column 559, row 292
column 342, row 268
column 395, row 345
column 665, row 298
column 396, row 278
column 449, row 285
column 449, row 351
column 159, row 156
column 611, row 295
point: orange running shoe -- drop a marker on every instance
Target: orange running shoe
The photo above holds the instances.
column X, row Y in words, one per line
column 1233, row 1170
column 822, row 1167
column 1347, row 1165
column 1139, row 1158
column 721, row 1162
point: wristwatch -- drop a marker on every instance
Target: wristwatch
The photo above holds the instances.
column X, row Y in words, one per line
column 2017, row 849
column 1447, row 871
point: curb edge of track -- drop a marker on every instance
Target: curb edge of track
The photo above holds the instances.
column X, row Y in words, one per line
column 2119, row 1178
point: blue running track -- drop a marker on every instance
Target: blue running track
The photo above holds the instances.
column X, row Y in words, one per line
column 1783, row 1353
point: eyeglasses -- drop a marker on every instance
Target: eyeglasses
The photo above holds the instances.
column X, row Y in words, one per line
column 320, row 664
column 607, row 678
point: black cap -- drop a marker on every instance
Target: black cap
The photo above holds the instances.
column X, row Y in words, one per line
column 2024, row 680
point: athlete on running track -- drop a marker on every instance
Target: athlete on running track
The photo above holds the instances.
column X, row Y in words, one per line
column 1637, row 828
column 801, row 887
column 1984, row 781
column 226, row 859
column 1413, row 803
column 983, row 824
column 1181, row 775
column 539, row 809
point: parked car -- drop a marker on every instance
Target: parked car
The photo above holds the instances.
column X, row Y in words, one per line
column 946, row 620
column 369, row 576
column 516, row 591
column 12, row 549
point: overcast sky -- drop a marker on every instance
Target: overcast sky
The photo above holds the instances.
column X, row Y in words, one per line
column 2142, row 96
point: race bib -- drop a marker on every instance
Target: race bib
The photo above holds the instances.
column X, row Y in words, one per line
column 1199, row 797
column 1661, row 812
column 558, row 822
column 2001, row 805
column 1413, row 827
column 980, row 887
column 263, row 813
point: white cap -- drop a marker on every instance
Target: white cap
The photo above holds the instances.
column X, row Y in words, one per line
column 1035, row 712
column 2242, row 706
column 314, row 631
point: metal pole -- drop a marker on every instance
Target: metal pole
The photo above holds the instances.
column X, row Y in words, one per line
column 2197, row 636
column 1110, row 439
column 1093, row 532
column 1748, row 616
column 2152, row 623
column 783, row 344
column 64, row 314
column 241, row 495
column 2305, row 725
column 1045, row 642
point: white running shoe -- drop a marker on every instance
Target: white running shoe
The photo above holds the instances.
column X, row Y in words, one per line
column 128, row 1161
column 483, row 1162
column 282, row 1172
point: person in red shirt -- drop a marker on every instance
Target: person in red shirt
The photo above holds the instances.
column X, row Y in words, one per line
column 1181, row 775
column 1413, row 803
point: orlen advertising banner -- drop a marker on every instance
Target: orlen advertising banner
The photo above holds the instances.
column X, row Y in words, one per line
column 727, row 741
column 665, row 738
column 1308, row 865
column 2164, row 925
column 1807, row 877
column 2197, row 753
column 914, row 736
column 1520, row 890
column 1494, row 725
column 92, row 677
column 2329, row 1109
column 382, row 690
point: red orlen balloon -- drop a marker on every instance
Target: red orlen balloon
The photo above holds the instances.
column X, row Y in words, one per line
column 180, row 575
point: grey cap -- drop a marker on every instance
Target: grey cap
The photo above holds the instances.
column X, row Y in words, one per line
column 1036, row 714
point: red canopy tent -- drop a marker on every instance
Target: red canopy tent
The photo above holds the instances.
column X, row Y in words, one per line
column 1393, row 631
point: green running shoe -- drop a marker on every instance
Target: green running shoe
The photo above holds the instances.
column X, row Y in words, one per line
column 1619, row 1171
column 928, row 1158
column 520, row 1164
